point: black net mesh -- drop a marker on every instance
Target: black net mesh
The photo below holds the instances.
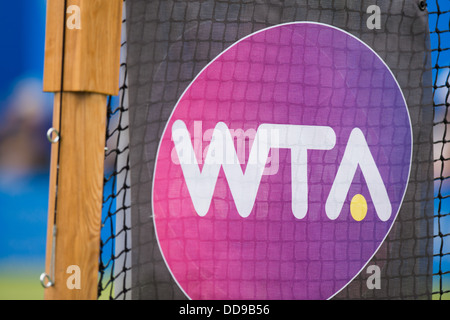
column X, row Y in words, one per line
column 439, row 17
column 115, row 244
column 115, row 260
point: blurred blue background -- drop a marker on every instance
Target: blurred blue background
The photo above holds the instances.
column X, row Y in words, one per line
column 25, row 116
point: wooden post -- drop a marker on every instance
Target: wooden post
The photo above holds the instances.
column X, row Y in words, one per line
column 82, row 62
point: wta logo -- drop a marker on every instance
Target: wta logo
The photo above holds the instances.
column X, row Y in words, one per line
column 298, row 139
column 282, row 167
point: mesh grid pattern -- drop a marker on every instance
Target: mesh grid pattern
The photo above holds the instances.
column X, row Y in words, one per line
column 223, row 23
column 115, row 243
column 274, row 254
column 439, row 16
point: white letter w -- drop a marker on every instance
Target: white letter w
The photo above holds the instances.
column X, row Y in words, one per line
column 244, row 186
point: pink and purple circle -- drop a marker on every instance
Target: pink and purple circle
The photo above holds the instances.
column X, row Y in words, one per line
column 294, row 74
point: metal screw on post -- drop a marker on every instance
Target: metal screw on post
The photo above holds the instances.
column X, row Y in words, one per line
column 50, row 137
column 47, row 280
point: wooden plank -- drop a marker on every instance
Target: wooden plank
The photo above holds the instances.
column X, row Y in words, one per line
column 53, row 44
column 79, row 197
column 91, row 54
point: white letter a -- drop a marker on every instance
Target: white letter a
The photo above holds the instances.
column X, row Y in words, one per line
column 374, row 21
column 74, row 21
column 74, row 281
column 357, row 153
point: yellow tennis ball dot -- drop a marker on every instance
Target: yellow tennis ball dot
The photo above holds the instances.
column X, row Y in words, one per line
column 358, row 207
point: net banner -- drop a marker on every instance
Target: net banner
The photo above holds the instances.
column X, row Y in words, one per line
column 280, row 149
